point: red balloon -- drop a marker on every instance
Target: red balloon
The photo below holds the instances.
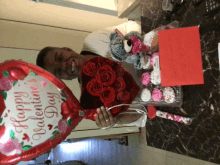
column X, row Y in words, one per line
column 37, row 112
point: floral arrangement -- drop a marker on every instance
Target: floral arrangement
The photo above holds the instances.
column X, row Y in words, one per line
column 106, row 83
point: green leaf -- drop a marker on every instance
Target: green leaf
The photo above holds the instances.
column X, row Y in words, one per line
column 12, row 135
column 14, row 83
column 19, row 153
column 22, row 143
column 56, row 127
column 62, row 95
column 52, row 138
column 33, row 74
column 4, row 93
column 5, row 73
column 63, row 100
column 1, row 120
column 69, row 121
column 27, row 147
column 54, row 132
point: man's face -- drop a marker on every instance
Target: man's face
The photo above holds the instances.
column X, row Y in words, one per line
column 63, row 63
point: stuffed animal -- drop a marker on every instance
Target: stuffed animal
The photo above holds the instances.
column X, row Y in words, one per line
column 130, row 49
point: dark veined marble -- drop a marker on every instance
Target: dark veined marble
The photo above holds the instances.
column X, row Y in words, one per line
column 201, row 139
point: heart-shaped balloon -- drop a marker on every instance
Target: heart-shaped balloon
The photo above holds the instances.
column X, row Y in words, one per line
column 37, row 111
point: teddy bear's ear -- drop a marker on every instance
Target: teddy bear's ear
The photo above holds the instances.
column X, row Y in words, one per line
column 112, row 36
column 115, row 39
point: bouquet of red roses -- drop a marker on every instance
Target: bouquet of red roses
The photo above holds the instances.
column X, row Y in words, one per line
column 106, row 83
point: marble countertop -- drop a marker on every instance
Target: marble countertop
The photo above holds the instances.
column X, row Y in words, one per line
column 201, row 139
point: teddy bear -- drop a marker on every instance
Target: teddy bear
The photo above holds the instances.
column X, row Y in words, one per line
column 130, row 49
column 136, row 49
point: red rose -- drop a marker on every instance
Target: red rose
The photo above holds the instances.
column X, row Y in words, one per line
column 104, row 61
column 119, row 71
column 11, row 147
column 105, row 75
column 5, row 83
column 94, row 87
column 107, row 95
column 90, row 68
column 62, row 126
column 123, row 96
column 115, row 110
column 119, row 84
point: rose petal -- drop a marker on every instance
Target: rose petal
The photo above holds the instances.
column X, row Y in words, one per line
column 106, row 75
column 107, row 95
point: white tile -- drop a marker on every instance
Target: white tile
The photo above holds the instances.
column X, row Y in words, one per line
column 156, row 159
column 174, row 161
column 156, row 150
column 179, row 156
column 153, row 158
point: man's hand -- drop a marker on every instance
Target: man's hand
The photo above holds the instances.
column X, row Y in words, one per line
column 104, row 118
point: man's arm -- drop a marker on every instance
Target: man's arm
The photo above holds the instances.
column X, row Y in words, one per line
column 104, row 118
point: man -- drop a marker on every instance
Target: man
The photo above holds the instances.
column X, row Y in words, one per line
column 64, row 63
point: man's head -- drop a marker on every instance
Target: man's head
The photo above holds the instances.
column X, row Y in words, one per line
column 62, row 62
